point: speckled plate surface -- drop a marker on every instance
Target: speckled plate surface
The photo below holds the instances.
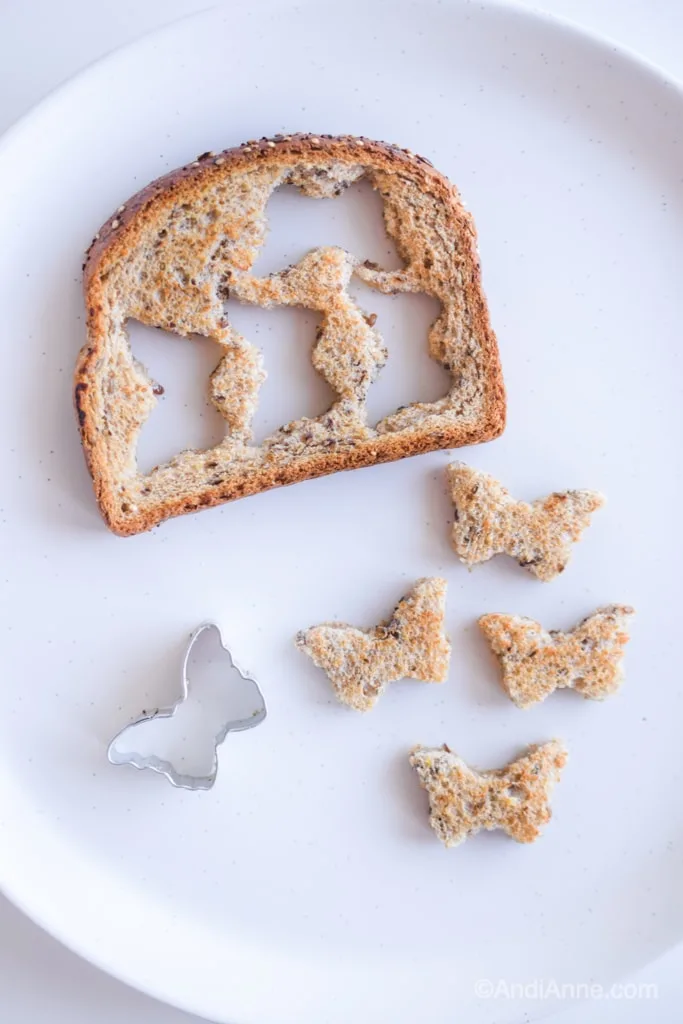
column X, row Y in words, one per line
column 307, row 887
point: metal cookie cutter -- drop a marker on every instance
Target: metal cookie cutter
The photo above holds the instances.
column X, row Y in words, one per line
column 165, row 767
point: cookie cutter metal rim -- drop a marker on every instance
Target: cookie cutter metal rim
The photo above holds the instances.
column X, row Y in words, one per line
column 165, row 768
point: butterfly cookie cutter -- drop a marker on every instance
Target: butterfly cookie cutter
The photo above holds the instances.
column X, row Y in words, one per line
column 164, row 767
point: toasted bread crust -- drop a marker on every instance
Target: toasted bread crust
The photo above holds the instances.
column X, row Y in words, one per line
column 131, row 502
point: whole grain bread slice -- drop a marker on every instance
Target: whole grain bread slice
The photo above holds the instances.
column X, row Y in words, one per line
column 171, row 255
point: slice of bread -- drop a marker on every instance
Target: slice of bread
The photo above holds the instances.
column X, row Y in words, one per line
column 464, row 801
column 535, row 662
column 360, row 663
column 488, row 521
column 170, row 256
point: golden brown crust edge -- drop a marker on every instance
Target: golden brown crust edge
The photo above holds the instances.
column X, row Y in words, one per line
column 119, row 235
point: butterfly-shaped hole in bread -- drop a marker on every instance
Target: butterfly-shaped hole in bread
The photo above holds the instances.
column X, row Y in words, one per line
column 181, row 741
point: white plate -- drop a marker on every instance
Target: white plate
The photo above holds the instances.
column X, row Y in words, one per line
column 307, row 886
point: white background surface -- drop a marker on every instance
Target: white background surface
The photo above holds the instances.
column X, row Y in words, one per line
column 42, row 43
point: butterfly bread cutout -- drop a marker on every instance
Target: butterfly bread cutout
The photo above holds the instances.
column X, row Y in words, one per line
column 535, row 662
column 488, row 522
column 464, row 801
column 360, row 663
